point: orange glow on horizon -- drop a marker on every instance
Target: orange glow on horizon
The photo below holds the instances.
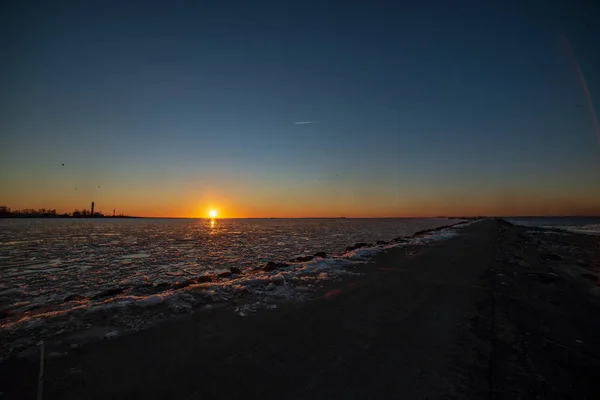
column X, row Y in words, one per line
column 240, row 202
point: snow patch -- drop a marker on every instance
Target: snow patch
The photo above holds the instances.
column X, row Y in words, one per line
column 362, row 253
column 111, row 334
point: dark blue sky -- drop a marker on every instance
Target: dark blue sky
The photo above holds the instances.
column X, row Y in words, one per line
column 418, row 108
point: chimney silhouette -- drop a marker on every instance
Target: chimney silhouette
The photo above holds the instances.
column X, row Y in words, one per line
column 113, row 212
column 92, row 208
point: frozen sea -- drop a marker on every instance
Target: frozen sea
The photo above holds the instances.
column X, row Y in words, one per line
column 45, row 260
column 587, row 225
column 72, row 268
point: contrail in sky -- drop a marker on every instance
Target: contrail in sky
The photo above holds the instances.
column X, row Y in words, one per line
column 583, row 84
column 304, row 122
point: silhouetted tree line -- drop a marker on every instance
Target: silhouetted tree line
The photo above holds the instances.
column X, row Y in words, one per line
column 6, row 212
column 27, row 212
column 86, row 213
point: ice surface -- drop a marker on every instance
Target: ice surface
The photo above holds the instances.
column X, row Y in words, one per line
column 592, row 229
column 51, row 269
column 61, row 257
column 587, row 225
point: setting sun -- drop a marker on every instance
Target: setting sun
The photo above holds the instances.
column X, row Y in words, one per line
column 212, row 213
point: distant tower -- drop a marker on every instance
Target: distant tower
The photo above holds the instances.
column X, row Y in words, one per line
column 113, row 212
column 92, row 208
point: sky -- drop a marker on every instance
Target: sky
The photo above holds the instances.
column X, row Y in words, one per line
column 301, row 109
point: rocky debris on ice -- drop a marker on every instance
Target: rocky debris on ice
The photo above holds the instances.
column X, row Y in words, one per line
column 74, row 297
column 181, row 302
column 256, row 281
column 205, row 278
column 10, row 292
column 135, row 281
column 111, row 334
column 108, row 293
column 270, row 266
column 302, row 259
column 358, row 246
column 279, row 291
column 246, row 309
column 239, row 289
column 422, row 232
column 361, row 253
column 186, row 283
column 110, row 305
column 161, row 287
column 149, row 301
column 214, row 296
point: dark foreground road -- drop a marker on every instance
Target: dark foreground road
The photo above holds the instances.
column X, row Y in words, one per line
column 494, row 313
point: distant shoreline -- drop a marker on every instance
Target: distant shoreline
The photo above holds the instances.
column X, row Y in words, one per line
column 64, row 216
column 281, row 218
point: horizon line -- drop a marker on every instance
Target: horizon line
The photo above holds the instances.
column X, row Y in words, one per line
column 388, row 217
